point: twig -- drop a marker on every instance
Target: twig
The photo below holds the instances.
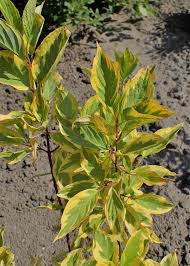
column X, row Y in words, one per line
column 54, row 180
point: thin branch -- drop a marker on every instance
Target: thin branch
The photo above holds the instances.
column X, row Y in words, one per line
column 55, row 149
column 41, row 149
column 53, row 177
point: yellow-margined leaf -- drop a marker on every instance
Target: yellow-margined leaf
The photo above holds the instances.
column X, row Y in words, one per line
column 14, row 157
column 74, row 188
column 11, row 39
column 151, row 107
column 142, row 142
column 114, row 210
column 1, row 236
column 152, row 174
column 74, row 136
column 52, row 206
column 151, row 235
column 11, row 14
column 104, row 248
column 11, row 117
column 91, row 106
column 13, row 71
column 10, row 137
column 127, row 62
column 6, row 257
column 153, row 204
column 66, row 105
column 64, row 166
column 105, row 77
column 35, row 34
column 90, row 135
column 39, row 106
column 90, row 262
column 102, row 125
column 135, row 218
column 138, row 89
column 167, row 134
column 170, row 260
column 28, row 18
column 150, row 262
column 77, row 210
column 51, row 85
column 135, row 250
column 91, row 166
column 73, row 258
column 49, row 53
column 106, row 263
column 39, row 8
column 131, row 119
column 66, row 145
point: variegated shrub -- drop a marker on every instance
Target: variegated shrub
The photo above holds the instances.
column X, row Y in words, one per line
column 96, row 152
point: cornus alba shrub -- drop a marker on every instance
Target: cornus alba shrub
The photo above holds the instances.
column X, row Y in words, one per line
column 96, row 153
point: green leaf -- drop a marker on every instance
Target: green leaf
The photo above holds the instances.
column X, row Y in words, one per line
column 9, row 137
column 66, row 105
column 28, row 18
column 13, row 71
column 39, row 106
column 138, row 89
column 152, row 174
column 127, row 62
column 72, row 189
column 49, row 53
column 154, row 204
column 11, row 39
column 73, row 258
column 105, row 77
column 77, row 210
column 135, row 250
column 142, row 142
column 11, row 14
column 167, row 134
column 91, row 106
column 104, row 248
column 14, row 157
column 114, row 210
column 170, row 260
column 51, row 86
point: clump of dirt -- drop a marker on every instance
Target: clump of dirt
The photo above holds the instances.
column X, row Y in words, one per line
column 29, row 230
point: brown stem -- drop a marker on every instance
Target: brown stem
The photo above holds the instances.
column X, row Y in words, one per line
column 116, row 141
column 54, row 181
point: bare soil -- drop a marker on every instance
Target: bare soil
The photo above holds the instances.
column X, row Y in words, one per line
column 163, row 41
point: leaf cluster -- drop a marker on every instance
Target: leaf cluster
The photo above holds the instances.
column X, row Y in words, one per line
column 97, row 160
